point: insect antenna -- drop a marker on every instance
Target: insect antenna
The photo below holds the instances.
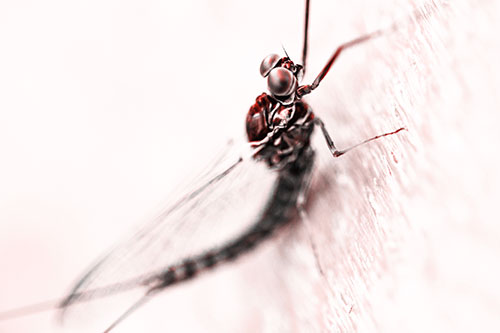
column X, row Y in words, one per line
column 284, row 50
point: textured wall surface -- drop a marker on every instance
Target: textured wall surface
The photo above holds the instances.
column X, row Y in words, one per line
column 105, row 105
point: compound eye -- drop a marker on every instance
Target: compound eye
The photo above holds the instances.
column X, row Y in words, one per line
column 268, row 64
column 281, row 82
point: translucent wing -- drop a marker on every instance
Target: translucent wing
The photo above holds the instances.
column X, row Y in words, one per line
column 225, row 202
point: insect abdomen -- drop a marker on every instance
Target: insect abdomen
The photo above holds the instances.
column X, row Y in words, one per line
column 280, row 210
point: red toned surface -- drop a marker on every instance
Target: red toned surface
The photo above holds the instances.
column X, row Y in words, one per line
column 406, row 228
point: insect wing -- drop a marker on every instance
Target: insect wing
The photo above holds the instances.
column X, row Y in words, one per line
column 226, row 202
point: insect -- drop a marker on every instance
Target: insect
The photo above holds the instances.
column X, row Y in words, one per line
column 279, row 126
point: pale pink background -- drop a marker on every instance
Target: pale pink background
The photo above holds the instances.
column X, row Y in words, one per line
column 106, row 105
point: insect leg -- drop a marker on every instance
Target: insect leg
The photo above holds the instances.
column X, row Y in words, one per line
column 306, row 33
column 129, row 311
column 308, row 88
column 418, row 14
column 336, row 152
column 301, row 208
column 301, row 201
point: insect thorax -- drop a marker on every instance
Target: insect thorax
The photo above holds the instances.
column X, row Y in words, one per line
column 289, row 125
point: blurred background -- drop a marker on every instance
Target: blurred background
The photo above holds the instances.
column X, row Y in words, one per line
column 105, row 106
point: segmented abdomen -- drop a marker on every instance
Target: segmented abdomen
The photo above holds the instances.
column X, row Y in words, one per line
column 280, row 210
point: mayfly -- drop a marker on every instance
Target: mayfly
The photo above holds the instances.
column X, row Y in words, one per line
column 279, row 126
